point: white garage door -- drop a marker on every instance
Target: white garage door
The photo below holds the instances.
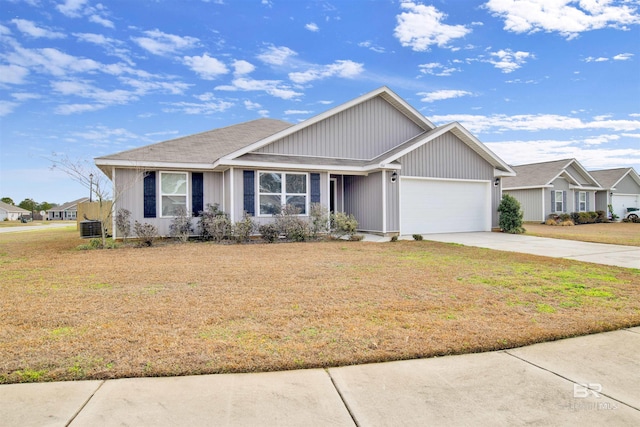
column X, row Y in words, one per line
column 620, row 203
column 442, row 206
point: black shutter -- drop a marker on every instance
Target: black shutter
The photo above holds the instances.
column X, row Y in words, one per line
column 150, row 195
column 197, row 193
column 249, row 192
column 315, row 188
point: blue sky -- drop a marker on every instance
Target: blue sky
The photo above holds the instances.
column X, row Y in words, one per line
column 535, row 80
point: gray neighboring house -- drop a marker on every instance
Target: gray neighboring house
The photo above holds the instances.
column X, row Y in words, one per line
column 375, row 157
column 561, row 186
column 67, row 211
column 12, row 213
column 621, row 190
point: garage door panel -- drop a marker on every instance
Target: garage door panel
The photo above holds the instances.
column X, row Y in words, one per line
column 620, row 203
column 440, row 206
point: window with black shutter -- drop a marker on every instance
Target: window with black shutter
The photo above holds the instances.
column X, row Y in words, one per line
column 149, row 195
column 197, row 193
column 249, row 192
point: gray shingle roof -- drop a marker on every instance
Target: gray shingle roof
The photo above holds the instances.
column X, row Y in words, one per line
column 535, row 174
column 205, row 147
column 67, row 205
column 609, row 177
column 11, row 208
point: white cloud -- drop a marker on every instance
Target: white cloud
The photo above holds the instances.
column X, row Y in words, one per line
column 532, row 122
column 440, row 95
column 250, row 105
column 623, row 57
column 273, row 55
column 68, row 109
column 160, row 43
column 242, row 67
column 30, row 29
column 7, row 107
column 437, row 69
column 205, row 66
column 567, row 17
column 52, row 61
column 520, row 152
column 342, row 68
column 71, row 8
column 369, row 45
column 97, row 19
column 25, row 96
column 593, row 59
column 205, row 108
column 292, row 112
column 421, row 26
column 312, row 27
column 13, row 74
column 271, row 87
column 508, row 61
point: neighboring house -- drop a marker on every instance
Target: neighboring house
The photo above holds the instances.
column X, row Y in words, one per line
column 620, row 189
column 375, row 157
column 67, row 211
column 561, row 186
column 12, row 213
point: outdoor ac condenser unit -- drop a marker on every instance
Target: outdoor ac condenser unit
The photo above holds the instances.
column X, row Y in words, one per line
column 90, row 229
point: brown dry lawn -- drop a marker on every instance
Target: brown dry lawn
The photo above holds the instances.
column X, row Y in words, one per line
column 196, row 308
column 618, row 233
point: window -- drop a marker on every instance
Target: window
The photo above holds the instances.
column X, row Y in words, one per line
column 559, row 201
column 582, row 201
column 173, row 192
column 277, row 189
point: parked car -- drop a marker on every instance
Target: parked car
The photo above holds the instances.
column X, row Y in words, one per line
column 632, row 214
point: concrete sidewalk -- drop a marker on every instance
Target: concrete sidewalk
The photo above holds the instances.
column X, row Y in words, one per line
column 598, row 253
column 589, row 380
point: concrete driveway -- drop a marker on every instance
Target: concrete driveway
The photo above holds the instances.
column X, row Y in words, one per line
column 599, row 253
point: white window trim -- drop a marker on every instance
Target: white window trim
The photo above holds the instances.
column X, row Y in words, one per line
column 580, row 202
column 283, row 194
column 561, row 201
column 186, row 195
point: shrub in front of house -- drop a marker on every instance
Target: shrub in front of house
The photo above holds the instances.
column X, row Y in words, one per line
column 343, row 225
column 123, row 223
column 145, row 232
column 318, row 220
column 180, row 226
column 243, row 229
column 510, row 215
column 291, row 225
column 214, row 224
column 269, row 232
column 417, row 237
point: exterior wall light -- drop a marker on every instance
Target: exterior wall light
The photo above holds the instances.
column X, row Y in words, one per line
column 394, row 176
column 496, row 182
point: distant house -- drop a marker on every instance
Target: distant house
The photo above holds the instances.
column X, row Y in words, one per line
column 561, row 186
column 11, row 213
column 67, row 211
column 375, row 157
column 620, row 189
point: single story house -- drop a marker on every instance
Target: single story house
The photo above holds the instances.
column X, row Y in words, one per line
column 375, row 157
column 556, row 187
column 12, row 213
column 66, row 211
column 620, row 189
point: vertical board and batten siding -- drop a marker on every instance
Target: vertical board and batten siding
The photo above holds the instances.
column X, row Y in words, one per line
column 575, row 173
column 602, row 201
column 627, row 186
column 362, row 132
column 130, row 183
column 239, row 193
column 448, row 157
column 392, row 203
column 531, row 203
column 363, row 199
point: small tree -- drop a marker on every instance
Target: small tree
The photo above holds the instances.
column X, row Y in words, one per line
column 510, row 215
column 123, row 223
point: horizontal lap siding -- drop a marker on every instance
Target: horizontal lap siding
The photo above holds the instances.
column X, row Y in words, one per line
column 363, row 199
column 361, row 132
